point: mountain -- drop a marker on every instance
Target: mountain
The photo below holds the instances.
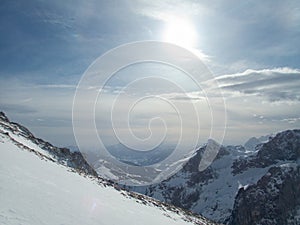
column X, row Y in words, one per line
column 251, row 144
column 240, row 186
column 210, row 192
column 43, row 184
column 274, row 199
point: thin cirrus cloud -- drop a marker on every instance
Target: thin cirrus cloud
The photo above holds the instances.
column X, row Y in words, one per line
column 190, row 96
column 247, row 94
column 259, row 102
column 279, row 84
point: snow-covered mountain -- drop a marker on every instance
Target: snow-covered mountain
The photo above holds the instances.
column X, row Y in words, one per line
column 275, row 198
column 229, row 189
column 43, row 184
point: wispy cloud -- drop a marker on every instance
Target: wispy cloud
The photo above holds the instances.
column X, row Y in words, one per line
column 278, row 84
column 189, row 96
column 17, row 108
column 161, row 10
column 57, row 86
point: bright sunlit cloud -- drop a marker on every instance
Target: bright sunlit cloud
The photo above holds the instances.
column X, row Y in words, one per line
column 180, row 31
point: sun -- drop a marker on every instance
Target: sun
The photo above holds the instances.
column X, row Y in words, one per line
column 180, row 31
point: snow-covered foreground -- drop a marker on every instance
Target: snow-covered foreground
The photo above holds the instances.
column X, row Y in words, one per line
column 36, row 191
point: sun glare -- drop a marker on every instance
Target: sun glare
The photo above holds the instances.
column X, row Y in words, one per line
column 181, row 32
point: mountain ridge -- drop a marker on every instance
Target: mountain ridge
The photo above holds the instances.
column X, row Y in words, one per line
column 17, row 144
column 240, row 187
column 213, row 192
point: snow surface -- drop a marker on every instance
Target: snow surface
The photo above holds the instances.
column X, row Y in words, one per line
column 37, row 192
column 217, row 196
column 17, row 136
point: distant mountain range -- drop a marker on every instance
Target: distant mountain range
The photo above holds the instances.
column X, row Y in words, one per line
column 251, row 144
column 258, row 183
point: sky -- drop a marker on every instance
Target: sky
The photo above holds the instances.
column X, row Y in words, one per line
column 251, row 48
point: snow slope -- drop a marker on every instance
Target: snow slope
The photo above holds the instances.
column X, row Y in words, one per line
column 36, row 190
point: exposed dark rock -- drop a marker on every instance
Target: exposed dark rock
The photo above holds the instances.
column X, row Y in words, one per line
column 273, row 200
column 284, row 146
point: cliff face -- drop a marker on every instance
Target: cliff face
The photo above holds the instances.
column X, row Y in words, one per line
column 273, row 200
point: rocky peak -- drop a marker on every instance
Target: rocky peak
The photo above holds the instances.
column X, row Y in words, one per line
column 285, row 146
column 252, row 143
column 3, row 117
column 192, row 164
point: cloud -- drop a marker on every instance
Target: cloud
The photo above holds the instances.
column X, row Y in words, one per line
column 17, row 108
column 278, row 84
column 57, row 86
column 258, row 102
column 255, row 104
column 291, row 120
column 189, row 96
column 161, row 10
